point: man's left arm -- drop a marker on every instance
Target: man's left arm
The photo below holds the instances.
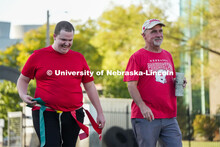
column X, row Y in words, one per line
column 94, row 98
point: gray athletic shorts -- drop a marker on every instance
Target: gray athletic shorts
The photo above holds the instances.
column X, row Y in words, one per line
column 166, row 130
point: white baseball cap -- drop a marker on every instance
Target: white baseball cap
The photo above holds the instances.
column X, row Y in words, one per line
column 148, row 24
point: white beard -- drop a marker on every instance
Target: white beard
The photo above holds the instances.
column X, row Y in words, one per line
column 158, row 43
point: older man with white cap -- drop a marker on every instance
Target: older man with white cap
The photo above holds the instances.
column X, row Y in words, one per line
column 154, row 106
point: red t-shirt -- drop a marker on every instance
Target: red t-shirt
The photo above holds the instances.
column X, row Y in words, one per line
column 58, row 77
column 156, row 90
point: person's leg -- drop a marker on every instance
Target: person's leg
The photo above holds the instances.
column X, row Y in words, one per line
column 70, row 129
column 52, row 128
column 170, row 134
column 146, row 133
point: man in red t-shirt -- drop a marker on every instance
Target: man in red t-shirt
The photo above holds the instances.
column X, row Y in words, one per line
column 59, row 73
column 150, row 74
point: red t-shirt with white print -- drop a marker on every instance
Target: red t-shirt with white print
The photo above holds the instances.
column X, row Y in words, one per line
column 155, row 74
column 58, row 77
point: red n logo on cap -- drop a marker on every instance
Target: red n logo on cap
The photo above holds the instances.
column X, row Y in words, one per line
column 154, row 20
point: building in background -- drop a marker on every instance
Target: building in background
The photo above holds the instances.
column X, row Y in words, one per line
column 202, row 91
column 5, row 40
column 10, row 35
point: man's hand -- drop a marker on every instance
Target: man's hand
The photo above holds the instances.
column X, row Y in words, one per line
column 184, row 82
column 94, row 98
column 28, row 99
column 100, row 120
column 146, row 112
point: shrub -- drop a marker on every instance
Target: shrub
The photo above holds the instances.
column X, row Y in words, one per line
column 205, row 126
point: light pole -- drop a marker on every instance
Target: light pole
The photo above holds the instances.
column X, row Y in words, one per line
column 48, row 29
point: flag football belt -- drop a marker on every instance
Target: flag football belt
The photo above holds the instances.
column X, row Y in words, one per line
column 85, row 134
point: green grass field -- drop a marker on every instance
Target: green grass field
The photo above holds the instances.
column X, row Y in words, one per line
column 201, row 144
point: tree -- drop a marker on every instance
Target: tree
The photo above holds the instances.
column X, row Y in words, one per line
column 8, row 57
column 82, row 43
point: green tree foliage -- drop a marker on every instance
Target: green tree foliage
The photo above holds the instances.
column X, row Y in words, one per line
column 82, row 43
column 9, row 101
column 115, row 87
column 118, row 36
column 8, row 57
column 205, row 126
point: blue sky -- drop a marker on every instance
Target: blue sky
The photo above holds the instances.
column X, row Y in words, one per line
column 34, row 11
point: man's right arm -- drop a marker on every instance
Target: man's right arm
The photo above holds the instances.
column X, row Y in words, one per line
column 22, row 85
column 145, row 110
